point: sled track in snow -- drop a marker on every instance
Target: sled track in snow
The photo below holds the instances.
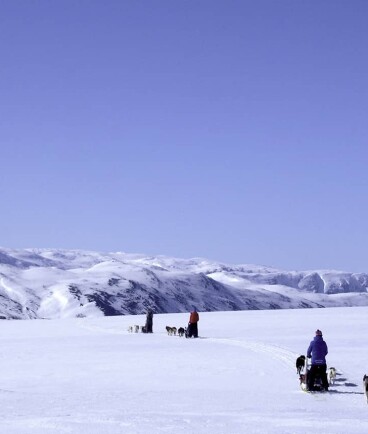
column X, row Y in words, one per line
column 341, row 387
column 284, row 355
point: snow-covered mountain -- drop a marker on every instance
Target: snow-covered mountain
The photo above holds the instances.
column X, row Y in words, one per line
column 50, row 283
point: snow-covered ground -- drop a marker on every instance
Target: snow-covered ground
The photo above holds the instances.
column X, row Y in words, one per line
column 90, row 375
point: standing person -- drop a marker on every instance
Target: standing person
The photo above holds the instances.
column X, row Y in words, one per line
column 149, row 321
column 318, row 351
column 193, row 324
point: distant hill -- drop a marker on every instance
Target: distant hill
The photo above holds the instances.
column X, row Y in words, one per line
column 51, row 283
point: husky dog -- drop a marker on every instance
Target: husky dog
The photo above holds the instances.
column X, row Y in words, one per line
column 181, row 331
column 365, row 383
column 300, row 363
column 303, row 384
column 171, row 330
column 331, row 376
column 136, row 328
column 130, row 329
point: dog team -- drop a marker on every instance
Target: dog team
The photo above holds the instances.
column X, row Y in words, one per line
column 188, row 332
column 136, row 329
column 147, row 328
column 300, row 365
column 316, row 378
column 172, row 331
column 317, row 352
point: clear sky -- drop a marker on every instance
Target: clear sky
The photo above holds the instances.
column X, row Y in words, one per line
column 231, row 130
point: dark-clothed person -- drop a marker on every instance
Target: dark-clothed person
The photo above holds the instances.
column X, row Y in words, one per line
column 318, row 351
column 149, row 321
column 193, row 324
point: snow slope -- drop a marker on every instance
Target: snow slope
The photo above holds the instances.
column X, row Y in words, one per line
column 90, row 375
column 49, row 283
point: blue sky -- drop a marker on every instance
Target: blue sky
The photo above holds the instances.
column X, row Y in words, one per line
column 231, row 130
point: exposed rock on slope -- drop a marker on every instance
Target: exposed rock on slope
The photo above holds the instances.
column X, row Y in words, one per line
column 47, row 283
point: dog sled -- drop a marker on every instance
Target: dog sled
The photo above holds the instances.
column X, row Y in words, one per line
column 303, row 378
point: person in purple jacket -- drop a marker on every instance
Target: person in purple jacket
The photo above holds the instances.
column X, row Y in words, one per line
column 318, row 351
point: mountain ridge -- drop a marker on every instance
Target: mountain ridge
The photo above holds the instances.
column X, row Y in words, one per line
column 59, row 283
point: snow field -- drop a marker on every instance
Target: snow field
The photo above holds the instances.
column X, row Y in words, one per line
column 91, row 376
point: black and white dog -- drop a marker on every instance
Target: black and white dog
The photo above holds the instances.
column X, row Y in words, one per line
column 300, row 363
column 365, row 384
